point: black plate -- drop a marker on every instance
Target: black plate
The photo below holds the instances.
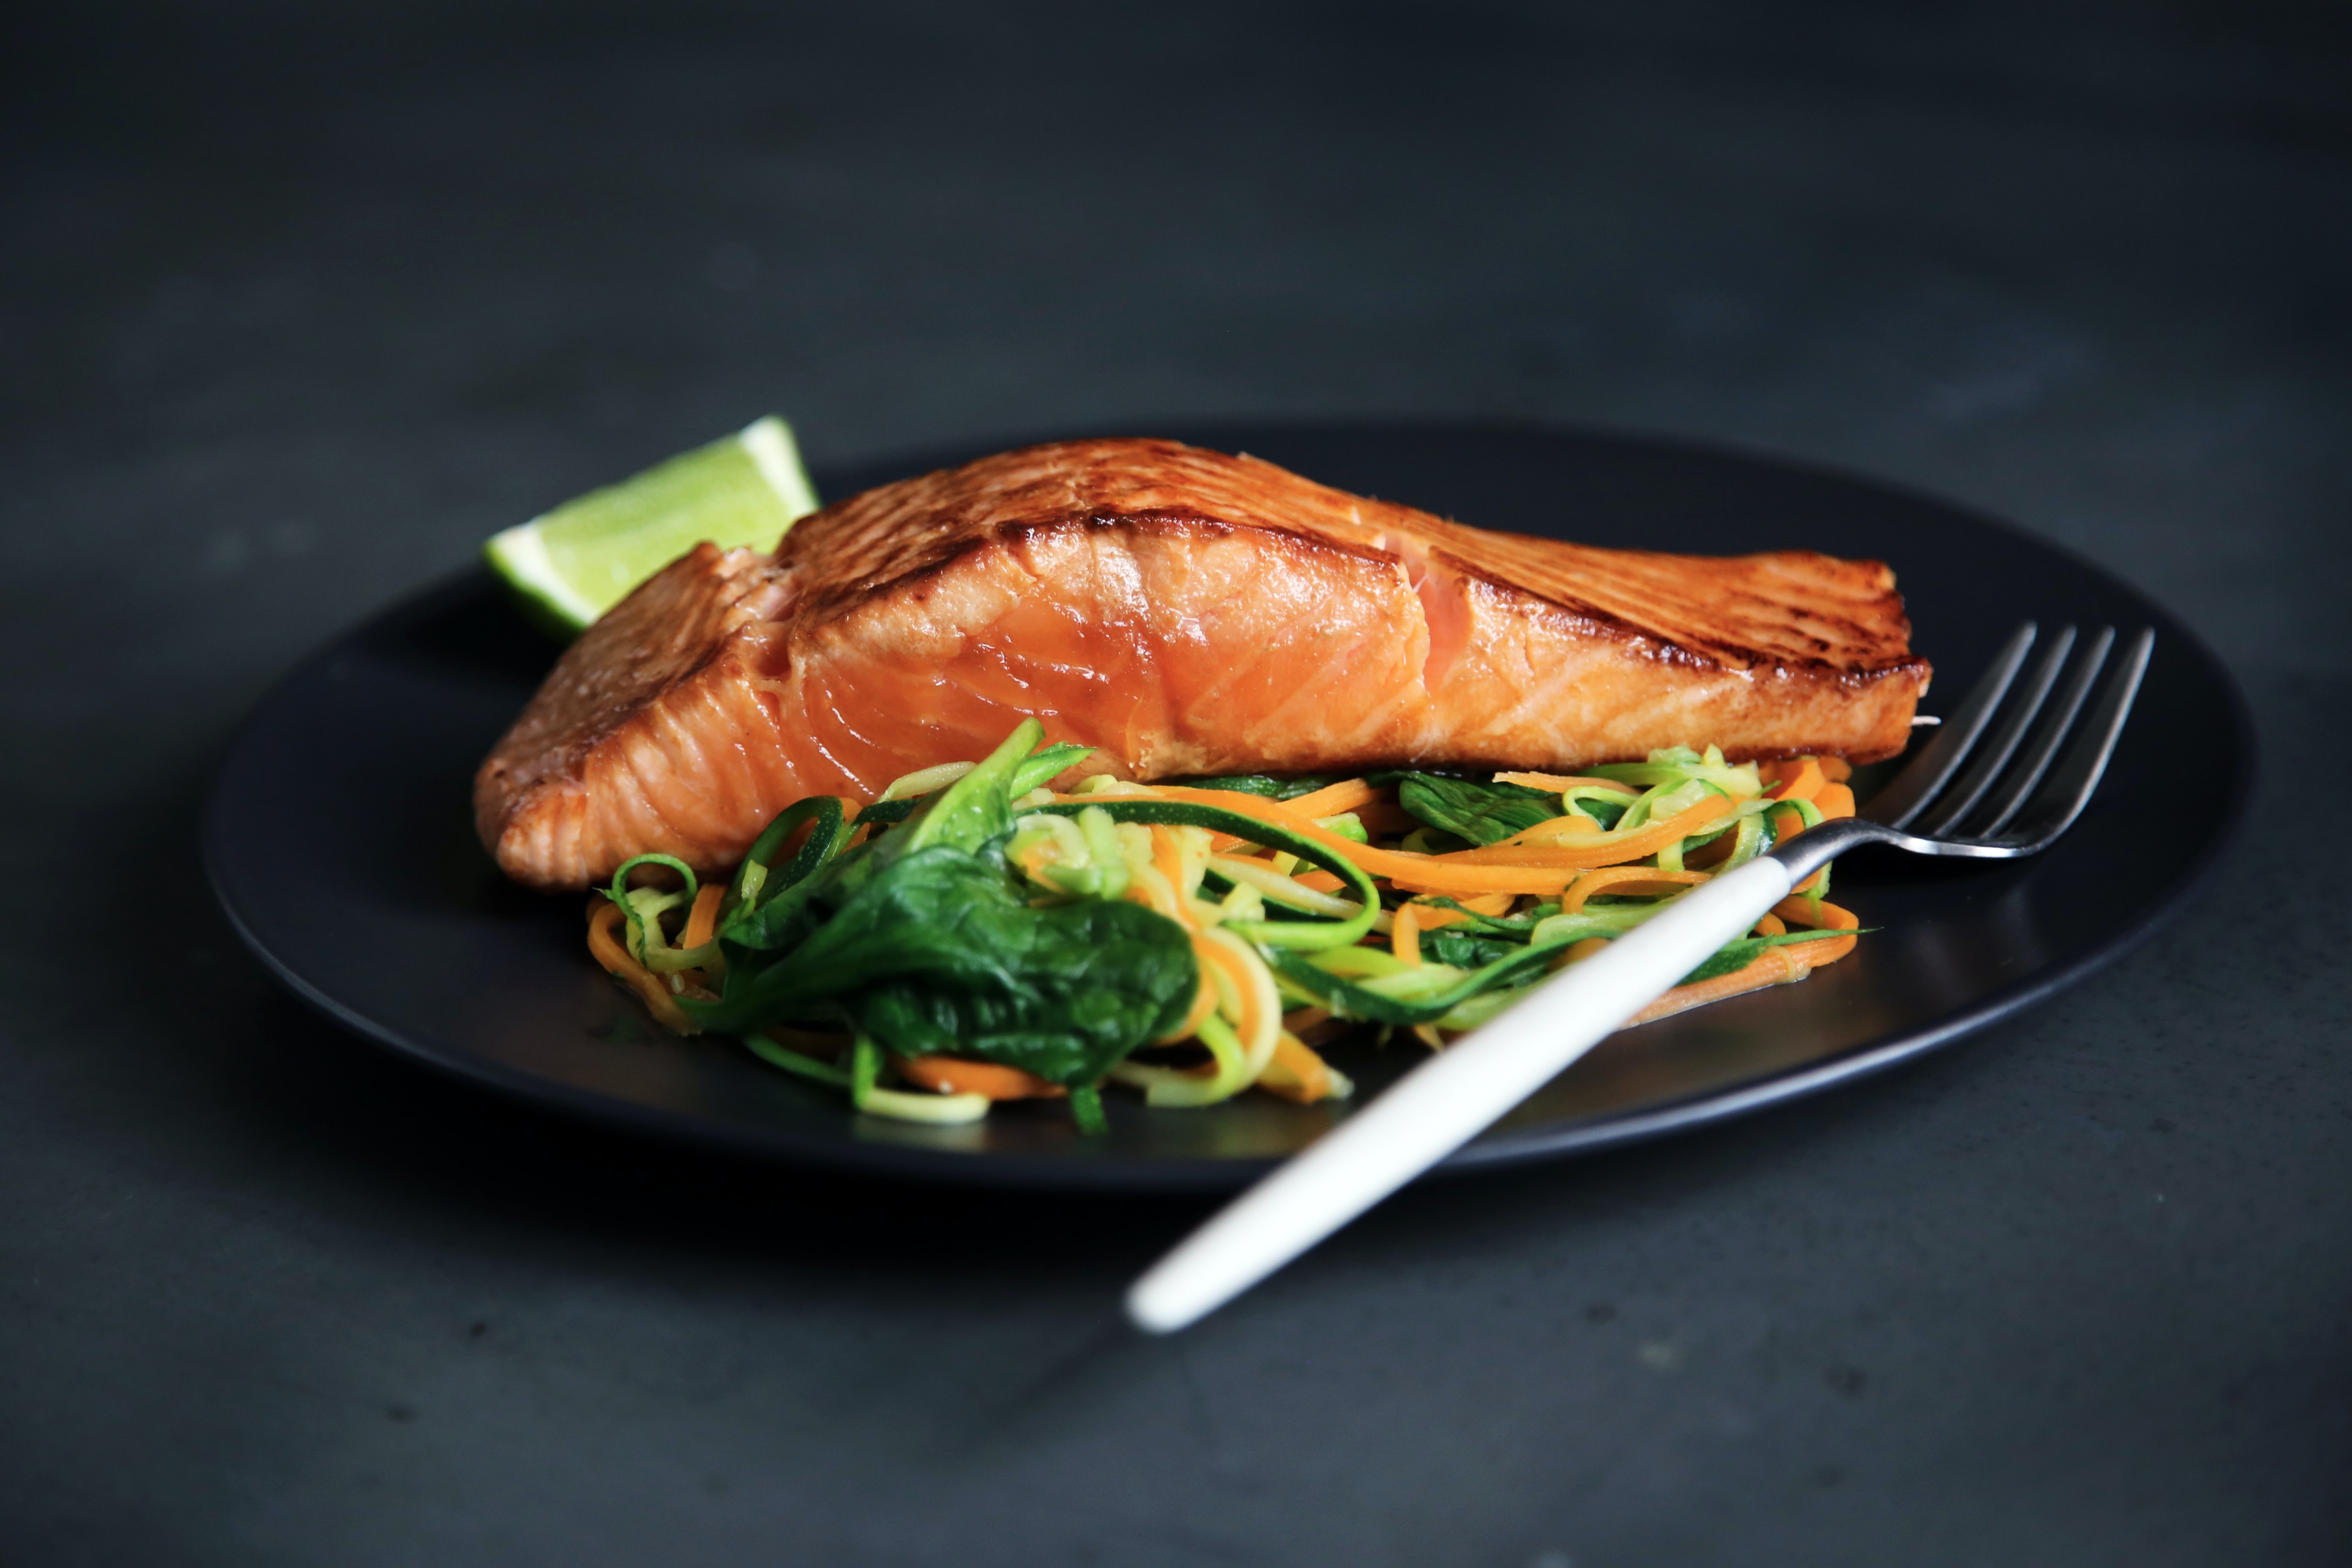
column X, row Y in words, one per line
column 339, row 842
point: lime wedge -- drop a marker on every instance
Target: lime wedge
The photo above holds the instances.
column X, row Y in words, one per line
column 571, row 564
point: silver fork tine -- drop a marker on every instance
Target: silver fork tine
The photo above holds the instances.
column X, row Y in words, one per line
column 1994, row 755
column 2078, row 772
column 2048, row 736
column 1910, row 791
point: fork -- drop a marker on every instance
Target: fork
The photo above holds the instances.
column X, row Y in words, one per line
column 2026, row 785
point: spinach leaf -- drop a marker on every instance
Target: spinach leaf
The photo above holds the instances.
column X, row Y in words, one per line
column 935, row 948
column 1481, row 813
column 1464, row 951
column 784, row 919
column 1606, row 807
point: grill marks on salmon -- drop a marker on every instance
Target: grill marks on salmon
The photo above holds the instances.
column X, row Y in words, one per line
column 1184, row 611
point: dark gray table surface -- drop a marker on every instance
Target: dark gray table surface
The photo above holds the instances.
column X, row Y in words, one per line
column 299, row 303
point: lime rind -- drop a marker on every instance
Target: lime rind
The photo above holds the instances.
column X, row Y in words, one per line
column 520, row 555
column 572, row 564
column 778, row 457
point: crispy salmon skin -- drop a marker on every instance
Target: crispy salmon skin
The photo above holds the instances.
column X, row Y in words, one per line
column 1184, row 611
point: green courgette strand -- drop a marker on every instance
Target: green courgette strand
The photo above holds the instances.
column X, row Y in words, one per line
column 1303, row 934
column 1811, row 815
column 1042, row 765
column 758, row 877
column 792, row 1062
column 1351, row 1000
column 645, row 940
column 864, row 1069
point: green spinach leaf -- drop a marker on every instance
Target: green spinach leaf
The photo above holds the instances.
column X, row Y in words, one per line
column 1464, row 951
column 1481, row 813
column 935, row 948
column 1606, row 807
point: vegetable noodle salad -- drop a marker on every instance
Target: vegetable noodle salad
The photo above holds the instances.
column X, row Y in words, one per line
column 971, row 936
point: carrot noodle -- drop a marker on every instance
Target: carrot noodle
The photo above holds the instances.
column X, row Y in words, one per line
column 1547, row 845
column 704, row 919
column 1585, row 949
column 1297, row 1074
column 1333, row 799
column 1431, row 917
column 1256, row 1017
column 1406, row 934
column 1205, row 1002
column 1820, row 915
column 1773, row 966
column 954, row 1075
column 649, row 986
column 701, row 924
column 1168, row 859
column 1256, row 1014
column 1459, row 880
column 1626, row 880
column 1800, row 780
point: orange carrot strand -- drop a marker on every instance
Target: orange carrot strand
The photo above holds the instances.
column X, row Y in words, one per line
column 616, row 959
column 1800, row 780
column 703, row 919
column 954, row 1075
column 1773, row 966
column 1631, row 881
column 1353, row 794
column 1405, row 934
column 1295, row 1073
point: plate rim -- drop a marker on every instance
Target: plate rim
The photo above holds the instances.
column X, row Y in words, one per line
column 1160, row 1173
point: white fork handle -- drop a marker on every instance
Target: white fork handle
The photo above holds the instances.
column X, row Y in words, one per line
column 1446, row 1100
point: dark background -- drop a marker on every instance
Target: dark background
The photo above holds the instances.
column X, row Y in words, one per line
column 298, row 303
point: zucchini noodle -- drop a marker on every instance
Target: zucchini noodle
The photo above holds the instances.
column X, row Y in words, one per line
column 1398, row 901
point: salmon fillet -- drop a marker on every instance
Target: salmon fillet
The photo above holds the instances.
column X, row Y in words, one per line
column 1184, row 611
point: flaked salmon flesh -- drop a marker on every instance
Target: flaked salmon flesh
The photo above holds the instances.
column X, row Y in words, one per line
column 1185, row 613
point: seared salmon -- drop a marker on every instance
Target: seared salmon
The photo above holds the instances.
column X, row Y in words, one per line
column 1185, row 613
